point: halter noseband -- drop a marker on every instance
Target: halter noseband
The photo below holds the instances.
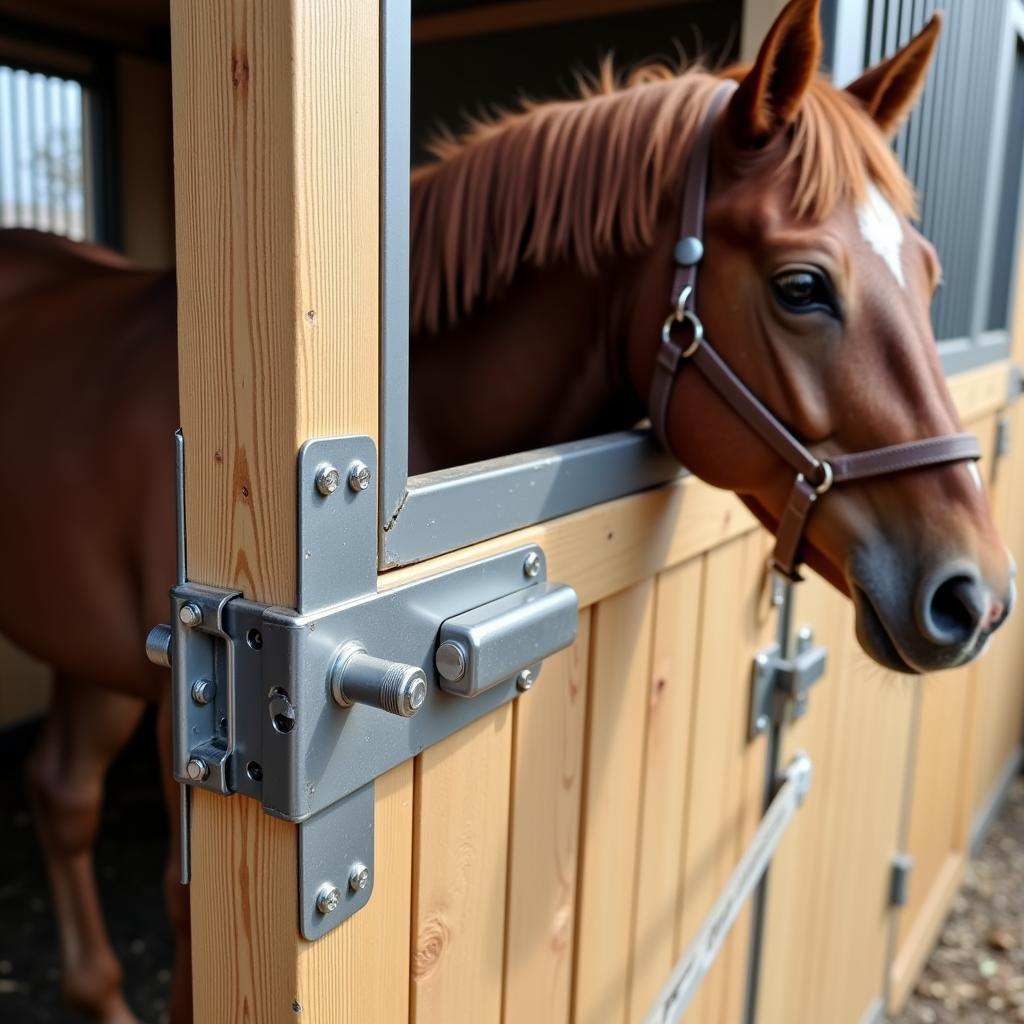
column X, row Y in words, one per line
column 814, row 476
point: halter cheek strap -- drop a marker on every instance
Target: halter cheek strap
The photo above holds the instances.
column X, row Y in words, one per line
column 682, row 341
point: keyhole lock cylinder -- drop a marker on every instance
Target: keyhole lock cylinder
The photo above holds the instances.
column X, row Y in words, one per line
column 357, row 678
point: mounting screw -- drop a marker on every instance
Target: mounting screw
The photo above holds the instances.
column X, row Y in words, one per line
column 531, row 564
column 190, row 615
column 762, row 660
column 358, row 476
column 804, row 639
column 327, row 899
column 327, row 479
column 524, row 680
column 358, row 877
column 762, row 723
column 203, row 691
column 197, row 769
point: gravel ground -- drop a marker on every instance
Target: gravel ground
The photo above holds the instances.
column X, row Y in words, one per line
column 976, row 972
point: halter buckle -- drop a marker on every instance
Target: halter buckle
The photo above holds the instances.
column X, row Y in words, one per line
column 683, row 315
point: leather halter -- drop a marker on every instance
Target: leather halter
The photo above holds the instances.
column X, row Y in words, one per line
column 814, row 476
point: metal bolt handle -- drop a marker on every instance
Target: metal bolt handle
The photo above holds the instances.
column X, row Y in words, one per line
column 158, row 646
column 357, row 678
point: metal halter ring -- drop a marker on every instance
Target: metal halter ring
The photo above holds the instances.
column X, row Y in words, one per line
column 829, row 480
column 826, row 484
column 683, row 315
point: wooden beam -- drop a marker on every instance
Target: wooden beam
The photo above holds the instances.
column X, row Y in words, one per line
column 276, row 117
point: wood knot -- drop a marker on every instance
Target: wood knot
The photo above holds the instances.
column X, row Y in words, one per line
column 561, row 927
column 431, row 943
column 240, row 70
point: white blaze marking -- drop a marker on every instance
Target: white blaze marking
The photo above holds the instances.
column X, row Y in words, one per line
column 972, row 468
column 882, row 230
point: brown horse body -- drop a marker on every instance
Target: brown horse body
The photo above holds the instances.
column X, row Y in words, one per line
column 542, row 338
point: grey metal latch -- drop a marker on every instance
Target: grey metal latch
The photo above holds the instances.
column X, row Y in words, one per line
column 780, row 685
column 302, row 709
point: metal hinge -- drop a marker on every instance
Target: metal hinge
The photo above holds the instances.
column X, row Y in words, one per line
column 302, row 709
column 899, row 879
column 780, row 685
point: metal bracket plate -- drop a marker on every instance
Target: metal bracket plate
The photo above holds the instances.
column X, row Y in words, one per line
column 780, row 685
column 257, row 707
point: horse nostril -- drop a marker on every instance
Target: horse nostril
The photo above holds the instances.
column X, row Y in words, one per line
column 953, row 611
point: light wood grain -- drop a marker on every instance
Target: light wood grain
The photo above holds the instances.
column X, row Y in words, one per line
column 978, row 393
column 461, row 850
column 616, row 714
column 276, row 128
column 829, row 883
column 725, row 785
column 670, row 719
column 548, row 733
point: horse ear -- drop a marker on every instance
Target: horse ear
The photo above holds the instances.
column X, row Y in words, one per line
column 888, row 90
column 769, row 96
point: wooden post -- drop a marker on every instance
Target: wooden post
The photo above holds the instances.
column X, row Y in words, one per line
column 276, row 116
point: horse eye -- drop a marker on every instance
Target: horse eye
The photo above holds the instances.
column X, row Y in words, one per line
column 804, row 291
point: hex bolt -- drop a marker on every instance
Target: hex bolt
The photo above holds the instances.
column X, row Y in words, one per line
column 524, row 680
column 327, row 479
column 190, row 615
column 197, row 769
column 203, row 691
column 327, row 899
column 359, row 476
column 531, row 565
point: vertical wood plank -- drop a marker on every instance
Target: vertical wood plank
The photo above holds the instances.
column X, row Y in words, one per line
column 544, row 837
column 619, row 671
column 276, row 129
column 461, row 852
column 677, row 622
column 726, row 771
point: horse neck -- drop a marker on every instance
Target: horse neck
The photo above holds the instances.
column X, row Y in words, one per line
column 543, row 365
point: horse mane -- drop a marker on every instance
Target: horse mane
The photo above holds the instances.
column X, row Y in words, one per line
column 581, row 179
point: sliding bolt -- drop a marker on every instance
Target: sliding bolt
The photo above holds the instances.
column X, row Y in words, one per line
column 359, row 476
column 203, row 691
column 327, row 899
column 358, row 877
column 327, row 480
column 190, row 615
column 158, row 646
column 357, row 678
column 531, row 564
column 197, row 769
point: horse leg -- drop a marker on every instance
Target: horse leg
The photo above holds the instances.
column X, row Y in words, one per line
column 176, row 894
column 85, row 730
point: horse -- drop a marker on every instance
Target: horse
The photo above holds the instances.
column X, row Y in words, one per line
column 541, row 275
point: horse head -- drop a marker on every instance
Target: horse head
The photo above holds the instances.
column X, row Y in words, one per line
column 815, row 289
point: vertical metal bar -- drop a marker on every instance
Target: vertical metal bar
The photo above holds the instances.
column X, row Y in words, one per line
column 992, row 162
column 88, row 166
column 852, row 18
column 18, row 147
column 57, row 143
column 5, row 146
column 35, row 171
column 393, row 453
column 43, row 155
column 773, row 764
column 73, row 196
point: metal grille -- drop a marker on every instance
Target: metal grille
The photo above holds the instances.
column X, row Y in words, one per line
column 947, row 145
column 43, row 153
